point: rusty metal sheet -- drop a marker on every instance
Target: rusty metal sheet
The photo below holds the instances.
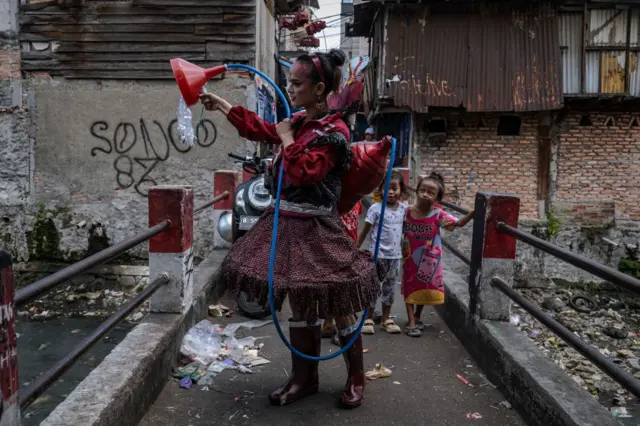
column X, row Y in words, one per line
column 483, row 62
column 428, row 55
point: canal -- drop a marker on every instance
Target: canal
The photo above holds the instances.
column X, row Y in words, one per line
column 43, row 343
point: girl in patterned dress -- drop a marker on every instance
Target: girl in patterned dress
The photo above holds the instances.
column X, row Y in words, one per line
column 422, row 280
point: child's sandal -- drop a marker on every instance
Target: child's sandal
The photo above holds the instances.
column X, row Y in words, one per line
column 368, row 327
column 413, row 332
column 390, row 327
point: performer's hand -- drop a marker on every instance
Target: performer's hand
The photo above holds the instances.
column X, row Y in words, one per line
column 285, row 132
column 213, row 102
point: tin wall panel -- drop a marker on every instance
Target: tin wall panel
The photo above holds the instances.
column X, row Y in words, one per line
column 612, row 66
column 634, row 79
column 484, row 62
column 570, row 29
column 607, row 27
column 592, row 72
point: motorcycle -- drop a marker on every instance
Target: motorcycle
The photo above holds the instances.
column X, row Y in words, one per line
column 250, row 202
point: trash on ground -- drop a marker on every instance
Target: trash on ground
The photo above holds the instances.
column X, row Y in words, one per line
column 474, row 416
column 514, row 319
column 219, row 311
column 205, row 341
column 504, row 404
column 397, row 383
column 379, row 372
column 195, row 370
column 620, row 412
column 245, row 370
column 365, row 350
column 186, row 382
column 206, row 380
column 213, row 348
column 463, row 380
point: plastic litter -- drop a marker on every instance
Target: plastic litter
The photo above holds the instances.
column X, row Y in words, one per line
column 464, row 380
column 214, row 348
column 207, row 379
column 195, row 370
column 514, row 319
column 186, row 382
column 219, row 311
column 205, row 341
column 504, row 404
column 474, row 416
column 185, row 123
column 379, row 372
column 620, row 412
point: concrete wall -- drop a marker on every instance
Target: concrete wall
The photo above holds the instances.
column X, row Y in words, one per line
column 79, row 162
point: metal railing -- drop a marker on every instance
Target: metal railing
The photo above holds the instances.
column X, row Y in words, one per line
column 607, row 273
column 45, row 285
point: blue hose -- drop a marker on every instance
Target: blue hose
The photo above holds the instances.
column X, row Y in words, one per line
column 274, row 235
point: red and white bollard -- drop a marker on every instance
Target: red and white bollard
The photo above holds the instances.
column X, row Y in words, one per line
column 10, row 410
column 493, row 254
column 223, row 180
column 171, row 251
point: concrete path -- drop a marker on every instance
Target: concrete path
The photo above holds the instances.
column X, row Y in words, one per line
column 423, row 389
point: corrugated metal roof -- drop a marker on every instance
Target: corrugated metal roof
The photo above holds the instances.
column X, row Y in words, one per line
column 484, row 62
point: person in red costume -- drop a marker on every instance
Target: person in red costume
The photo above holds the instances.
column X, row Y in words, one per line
column 317, row 264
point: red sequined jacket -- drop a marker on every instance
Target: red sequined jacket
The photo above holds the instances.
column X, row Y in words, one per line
column 313, row 165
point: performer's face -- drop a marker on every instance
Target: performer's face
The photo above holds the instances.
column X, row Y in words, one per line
column 302, row 91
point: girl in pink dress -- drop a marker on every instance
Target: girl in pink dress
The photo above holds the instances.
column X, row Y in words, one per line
column 422, row 281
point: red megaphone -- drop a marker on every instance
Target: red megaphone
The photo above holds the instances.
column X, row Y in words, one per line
column 365, row 174
column 191, row 78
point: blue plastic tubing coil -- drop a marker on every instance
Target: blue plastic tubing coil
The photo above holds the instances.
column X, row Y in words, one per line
column 274, row 236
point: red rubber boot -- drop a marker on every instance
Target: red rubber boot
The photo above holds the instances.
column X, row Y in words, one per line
column 354, row 390
column 303, row 380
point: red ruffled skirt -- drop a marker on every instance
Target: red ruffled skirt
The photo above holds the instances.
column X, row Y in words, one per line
column 317, row 264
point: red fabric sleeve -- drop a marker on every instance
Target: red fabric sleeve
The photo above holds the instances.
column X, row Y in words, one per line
column 252, row 127
column 306, row 167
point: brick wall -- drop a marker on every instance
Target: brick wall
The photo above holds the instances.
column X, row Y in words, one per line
column 474, row 159
column 600, row 162
column 9, row 62
column 586, row 213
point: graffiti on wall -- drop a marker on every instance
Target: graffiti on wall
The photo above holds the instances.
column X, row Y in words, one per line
column 138, row 148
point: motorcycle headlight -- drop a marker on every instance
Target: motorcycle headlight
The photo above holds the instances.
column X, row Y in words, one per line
column 259, row 197
column 240, row 199
column 225, row 226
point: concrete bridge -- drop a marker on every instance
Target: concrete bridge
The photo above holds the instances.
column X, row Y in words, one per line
column 470, row 366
